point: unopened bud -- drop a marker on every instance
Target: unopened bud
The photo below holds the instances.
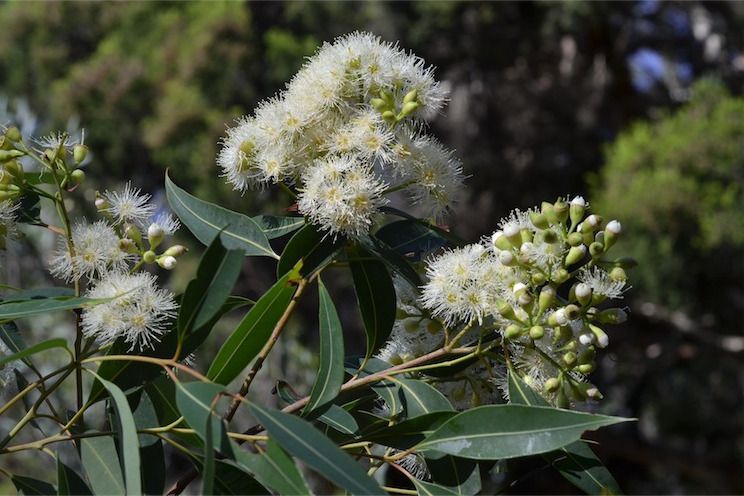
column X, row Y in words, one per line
column 13, row 134
column 77, row 176
column 575, row 254
column 549, row 212
column 175, row 251
column 552, row 385
column 79, row 153
column 378, row 104
column 538, row 278
column 577, row 208
column 575, row 239
column 569, row 358
column 512, row 331
column 537, row 332
column 519, row 289
column 583, row 293
column 596, row 250
column 499, row 241
column 558, row 318
column 101, row 203
column 513, row 234
column 408, row 109
column 389, row 116
column 561, row 210
column 618, row 274
column 560, row 276
column 546, row 298
column 506, row 258
column 602, row 339
column 149, row 256
column 155, row 235
column 586, row 339
column 539, row 220
column 127, row 245
column 14, row 168
column 411, row 96
column 134, row 234
column 586, row 368
column 505, row 310
column 168, row 263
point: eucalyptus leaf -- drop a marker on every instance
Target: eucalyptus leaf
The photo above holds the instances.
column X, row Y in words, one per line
column 274, row 469
column 206, row 220
column 69, row 481
column 29, row 485
column 32, row 350
column 35, row 306
column 311, row 246
column 274, row 226
column 101, row 464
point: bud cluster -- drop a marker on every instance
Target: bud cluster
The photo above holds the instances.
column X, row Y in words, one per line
column 347, row 132
column 541, row 282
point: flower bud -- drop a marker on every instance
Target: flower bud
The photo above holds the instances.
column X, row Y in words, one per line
column 612, row 232
column 408, row 109
column 538, row 278
column 558, row 318
column 583, row 293
column 525, row 299
column 387, row 97
column 79, row 153
column 77, row 176
column 612, row 316
column 592, row 392
column 388, row 116
column 575, row 239
column 127, row 245
column 175, row 251
column 134, row 234
column 499, row 241
column 527, row 235
column 155, row 235
column 149, row 256
column 14, row 168
column 561, row 210
column 13, row 134
column 546, row 298
column 379, row 104
column 549, row 212
column 593, row 222
column 512, row 331
column 575, row 254
column 586, row 339
column 560, row 276
column 539, row 220
column 513, row 234
column 506, row 258
column 505, row 310
column 586, row 368
column 602, row 339
column 552, row 385
column 519, row 289
column 618, row 274
column 411, row 96
column 569, row 358
column 6, row 155
column 101, row 203
column 596, row 250
column 168, row 263
column 576, row 209
column 537, row 332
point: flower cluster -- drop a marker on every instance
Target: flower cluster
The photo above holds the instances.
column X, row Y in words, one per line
column 107, row 253
column 540, row 285
column 347, row 131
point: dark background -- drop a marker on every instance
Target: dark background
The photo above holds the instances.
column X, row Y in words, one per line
column 636, row 105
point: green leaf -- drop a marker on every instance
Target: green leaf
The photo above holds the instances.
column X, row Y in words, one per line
column 458, row 475
column 424, row 488
column 409, row 432
column 275, row 227
column 29, row 485
column 32, row 350
column 12, row 338
column 311, row 246
column 391, row 258
column 34, row 306
column 69, row 482
column 205, row 220
column 410, row 236
column 102, row 465
column 145, row 417
column 153, row 470
column 206, row 293
column 162, row 393
column 195, row 402
column 331, row 415
column 128, row 437
column 208, row 469
column 507, row 431
column 231, row 478
column 388, row 391
column 254, row 330
column 274, row 469
column 38, row 293
column 305, row 442
column 376, row 296
column 419, row 398
column 575, row 462
column 331, row 371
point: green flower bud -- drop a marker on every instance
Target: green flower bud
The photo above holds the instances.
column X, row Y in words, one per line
column 408, row 109
column 618, row 274
column 592, row 223
column 602, row 339
column 389, row 116
column 77, row 176
column 569, row 358
column 596, row 250
column 379, row 104
column 575, row 254
column 499, row 241
column 507, row 258
column 411, row 96
column 546, row 299
column 552, row 385
column 175, row 251
column 101, row 203
column 127, row 245
column 387, row 97
column 14, row 168
column 612, row 316
column 505, row 310
column 4, row 195
column 79, row 153
column 561, row 276
column 149, row 256
column 586, row 368
column 561, row 400
column 526, row 235
column 575, row 239
column 537, row 278
column 514, row 235
column 583, row 293
column 561, row 210
column 13, row 134
column 539, row 220
column 512, row 331
column 6, row 155
column 612, row 232
column 134, row 234
column 576, row 209
column 537, row 332
column 549, row 212
column 155, row 235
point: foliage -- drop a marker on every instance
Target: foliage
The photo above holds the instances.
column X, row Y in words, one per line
column 677, row 182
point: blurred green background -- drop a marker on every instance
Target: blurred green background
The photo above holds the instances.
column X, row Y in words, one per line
column 637, row 105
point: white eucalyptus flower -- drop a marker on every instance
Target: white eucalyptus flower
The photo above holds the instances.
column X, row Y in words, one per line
column 129, row 205
column 95, row 251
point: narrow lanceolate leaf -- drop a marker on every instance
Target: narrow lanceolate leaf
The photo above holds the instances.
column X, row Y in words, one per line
column 275, row 227
column 376, row 296
column 69, row 482
column 102, row 465
column 145, row 417
column 454, row 474
column 410, row 237
column 32, row 350
column 207, row 472
column 34, row 306
column 29, row 485
column 38, row 293
column 231, row 478
column 11, row 336
column 274, row 469
column 409, row 432
column 430, row 489
column 305, row 442
column 204, row 296
column 576, row 462
column 126, row 431
column 205, row 220
column 331, row 415
column 331, row 372
column 419, row 398
column 311, row 246
column 254, row 330
column 195, row 401
column 507, row 431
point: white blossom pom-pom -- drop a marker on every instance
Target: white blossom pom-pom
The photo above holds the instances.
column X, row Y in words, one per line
column 95, row 251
